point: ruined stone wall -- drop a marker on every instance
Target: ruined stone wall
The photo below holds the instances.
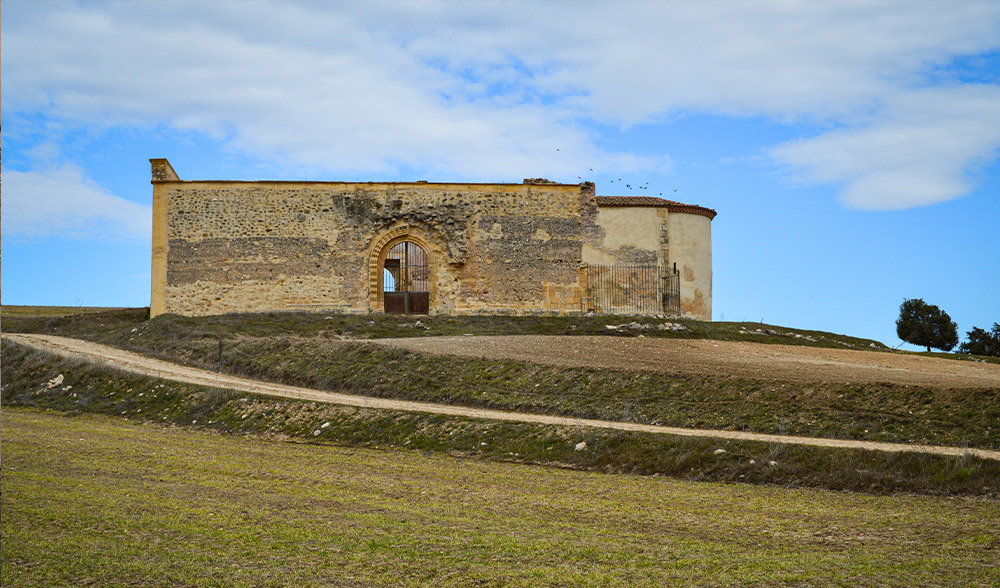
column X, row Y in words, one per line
column 257, row 246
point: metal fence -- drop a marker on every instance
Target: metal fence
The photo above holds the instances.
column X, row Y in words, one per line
column 632, row 289
column 672, row 292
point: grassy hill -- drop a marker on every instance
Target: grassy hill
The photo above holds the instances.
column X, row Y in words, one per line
column 114, row 478
column 328, row 352
column 115, row 325
column 30, row 380
column 308, row 349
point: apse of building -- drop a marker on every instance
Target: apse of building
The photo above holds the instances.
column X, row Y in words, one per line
column 537, row 247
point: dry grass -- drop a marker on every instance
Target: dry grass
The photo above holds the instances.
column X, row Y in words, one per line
column 21, row 311
column 92, row 500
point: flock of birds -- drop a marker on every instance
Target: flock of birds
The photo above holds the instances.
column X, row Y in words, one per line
column 644, row 186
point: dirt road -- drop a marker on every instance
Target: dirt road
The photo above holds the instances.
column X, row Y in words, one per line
column 140, row 364
column 792, row 363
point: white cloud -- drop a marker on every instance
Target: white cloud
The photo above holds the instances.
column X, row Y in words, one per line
column 920, row 153
column 491, row 90
column 63, row 202
column 353, row 103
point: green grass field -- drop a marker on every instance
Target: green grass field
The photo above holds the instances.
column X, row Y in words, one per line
column 92, row 500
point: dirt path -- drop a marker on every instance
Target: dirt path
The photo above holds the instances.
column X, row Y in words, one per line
column 794, row 363
column 140, row 364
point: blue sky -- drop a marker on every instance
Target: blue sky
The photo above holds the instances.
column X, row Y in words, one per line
column 851, row 149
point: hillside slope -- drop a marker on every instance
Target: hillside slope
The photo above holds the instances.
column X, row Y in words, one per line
column 148, row 366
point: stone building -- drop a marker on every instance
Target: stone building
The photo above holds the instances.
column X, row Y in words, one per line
column 424, row 248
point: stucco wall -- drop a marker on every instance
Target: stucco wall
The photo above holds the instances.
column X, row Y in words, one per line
column 629, row 235
column 691, row 249
column 642, row 235
column 255, row 246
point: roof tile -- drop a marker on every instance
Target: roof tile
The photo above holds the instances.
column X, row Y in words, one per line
column 653, row 201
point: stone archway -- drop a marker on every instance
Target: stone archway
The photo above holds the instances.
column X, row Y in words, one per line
column 402, row 273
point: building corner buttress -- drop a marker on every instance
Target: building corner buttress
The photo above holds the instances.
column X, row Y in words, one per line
column 162, row 172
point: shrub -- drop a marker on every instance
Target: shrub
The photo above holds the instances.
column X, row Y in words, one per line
column 982, row 342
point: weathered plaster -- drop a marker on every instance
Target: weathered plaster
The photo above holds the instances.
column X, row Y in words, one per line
column 691, row 249
column 627, row 231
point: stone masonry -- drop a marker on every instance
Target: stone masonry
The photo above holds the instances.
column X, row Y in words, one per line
column 233, row 246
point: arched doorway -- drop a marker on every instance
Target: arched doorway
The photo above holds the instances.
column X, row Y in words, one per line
column 406, row 279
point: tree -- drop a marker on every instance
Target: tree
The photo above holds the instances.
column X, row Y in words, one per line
column 927, row 325
column 982, row 342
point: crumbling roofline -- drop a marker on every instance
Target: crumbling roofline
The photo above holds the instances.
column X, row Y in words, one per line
column 416, row 183
column 163, row 172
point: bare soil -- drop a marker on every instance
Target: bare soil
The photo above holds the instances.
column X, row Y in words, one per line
column 725, row 358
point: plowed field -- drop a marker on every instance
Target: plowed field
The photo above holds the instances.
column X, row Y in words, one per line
column 724, row 358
